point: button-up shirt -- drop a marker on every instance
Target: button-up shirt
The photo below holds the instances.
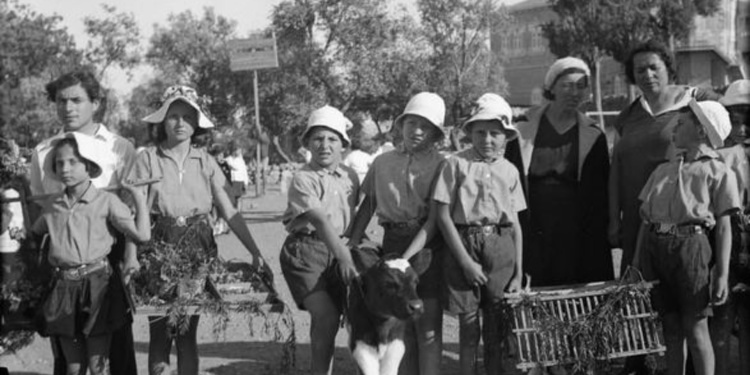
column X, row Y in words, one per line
column 333, row 191
column 479, row 192
column 180, row 192
column 80, row 231
column 402, row 184
column 690, row 192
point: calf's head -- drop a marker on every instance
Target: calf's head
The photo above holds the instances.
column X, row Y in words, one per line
column 389, row 286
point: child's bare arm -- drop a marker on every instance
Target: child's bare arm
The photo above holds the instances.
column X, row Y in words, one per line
column 723, row 239
column 516, row 282
column 325, row 231
column 141, row 231
column 362, row 219
column 472, row 270
column 425, row 234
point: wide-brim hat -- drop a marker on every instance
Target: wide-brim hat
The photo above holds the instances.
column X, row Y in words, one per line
column 427, row 105
column 90, row 148
column 715, row 120
column 562, row 65
column 492, row 107
column 182, row 93
column 331, row 118
column 738, row 93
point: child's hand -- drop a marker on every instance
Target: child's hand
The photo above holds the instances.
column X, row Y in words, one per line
column 719, row 290
column 516, row 284
column 347, row 270
column 474, row 274
column 128, row 268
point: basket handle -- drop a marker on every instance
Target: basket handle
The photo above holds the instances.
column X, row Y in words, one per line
column 632, row 274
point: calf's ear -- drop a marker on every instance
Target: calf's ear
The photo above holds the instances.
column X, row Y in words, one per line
column 421, row 263
column 365, row 257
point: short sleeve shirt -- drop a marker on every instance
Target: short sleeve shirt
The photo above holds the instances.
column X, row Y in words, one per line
column 695, row 192
column 334, row 191
column 185, row 192
column 479, row 192
column 402, row 184
column 111, row 174
column 82, row 232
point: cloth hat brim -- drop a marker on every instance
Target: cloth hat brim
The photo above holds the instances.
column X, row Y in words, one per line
column 717, row 129
column 504, row 123
column 330, row 118
column 398, row 123
column 90, row 148
column 161, row 113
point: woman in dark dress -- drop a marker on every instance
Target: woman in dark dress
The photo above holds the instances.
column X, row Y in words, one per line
column 562, row 155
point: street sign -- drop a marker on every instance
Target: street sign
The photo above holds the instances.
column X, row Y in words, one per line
column 252, row 54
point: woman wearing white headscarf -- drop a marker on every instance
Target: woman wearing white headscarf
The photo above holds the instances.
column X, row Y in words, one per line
column 565, row 164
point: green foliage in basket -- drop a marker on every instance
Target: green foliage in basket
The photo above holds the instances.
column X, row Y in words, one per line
column 594, row 335
column 181, row 279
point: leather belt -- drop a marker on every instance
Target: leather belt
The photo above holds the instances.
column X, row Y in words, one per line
column 179, row 221
column 483, row 229
column 80, row 272
column 410, row 224
column 676, row 229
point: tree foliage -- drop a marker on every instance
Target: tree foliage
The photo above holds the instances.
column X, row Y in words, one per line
column 33, row 48
column 115, row 40
column 463, row 66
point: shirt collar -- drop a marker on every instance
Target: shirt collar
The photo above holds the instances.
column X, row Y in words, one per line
column 193, row 152
column 338, row 172
column 417, row 155
column 474, row 155
column 89, row 195
column 704, row 152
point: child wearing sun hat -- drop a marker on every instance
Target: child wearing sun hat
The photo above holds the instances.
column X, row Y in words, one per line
column 397, row 188
column 322, row 198
column 737, row 309
column 682, row 201
column 80, row 221
column 478, row 196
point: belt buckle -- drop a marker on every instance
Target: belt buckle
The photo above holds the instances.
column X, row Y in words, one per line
column 664, row 228
column 180, row 221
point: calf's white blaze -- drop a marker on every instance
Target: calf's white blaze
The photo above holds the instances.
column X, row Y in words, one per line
column 399, row 264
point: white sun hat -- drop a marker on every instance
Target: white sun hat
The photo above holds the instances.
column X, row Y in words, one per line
column 427, row 105
column 492, row 107
column 331, row 118
column 738, row 93
column 561, row 65
column 90, row 148
column 173, row 94
column 715, row 120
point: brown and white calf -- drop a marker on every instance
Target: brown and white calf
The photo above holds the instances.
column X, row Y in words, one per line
column 380, row 303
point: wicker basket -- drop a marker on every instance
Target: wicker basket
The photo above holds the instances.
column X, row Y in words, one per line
column 542, row 344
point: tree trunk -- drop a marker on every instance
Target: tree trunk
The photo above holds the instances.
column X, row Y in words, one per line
column 279, row 149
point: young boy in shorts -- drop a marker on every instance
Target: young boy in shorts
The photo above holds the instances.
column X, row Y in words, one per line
column 682, row 200
column 322, row 199
column 398, row 188
column 737, row 309
column 478, row 196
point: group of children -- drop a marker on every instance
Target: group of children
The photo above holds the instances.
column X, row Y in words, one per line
column 459, row 214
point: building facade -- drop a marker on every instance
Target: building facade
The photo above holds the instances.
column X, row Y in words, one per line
column 715, row 53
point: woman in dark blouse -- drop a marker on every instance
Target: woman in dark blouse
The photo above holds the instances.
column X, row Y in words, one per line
column 562, row 155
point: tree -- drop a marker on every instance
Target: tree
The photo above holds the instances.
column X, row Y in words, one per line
column 33, row 49
column 592, row 29
column 114, row 40
column 463, row 66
